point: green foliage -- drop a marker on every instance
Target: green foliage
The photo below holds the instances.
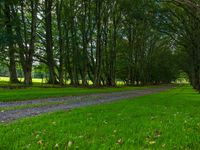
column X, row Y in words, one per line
column 4, row 71
column 139, row 42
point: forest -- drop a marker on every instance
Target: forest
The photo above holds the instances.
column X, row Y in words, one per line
column 100, row 41
column 99, row 74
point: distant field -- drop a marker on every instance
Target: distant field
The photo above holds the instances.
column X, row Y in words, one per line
column 5, row 80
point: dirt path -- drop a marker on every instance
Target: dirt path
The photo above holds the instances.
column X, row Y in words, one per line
column 29, row 109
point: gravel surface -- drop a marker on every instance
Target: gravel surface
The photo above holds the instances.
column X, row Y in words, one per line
column 68, row 103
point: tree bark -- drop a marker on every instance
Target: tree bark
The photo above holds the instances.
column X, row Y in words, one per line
column 98, row 45
column 75, row 57
column 11, row 49
column 49, row 42
column 61, row 43
column 113, row 50
column 85, row 45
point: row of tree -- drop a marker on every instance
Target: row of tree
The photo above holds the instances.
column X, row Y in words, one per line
column 185, row 29
column 98, row 40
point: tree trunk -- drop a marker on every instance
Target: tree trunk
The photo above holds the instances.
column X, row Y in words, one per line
column 85, row 44
column 49, row 42
column 61, row 44
column 12, row 65
column 26, row 53
column 98, row 44
column 113, row 51
column 75, row 56
column 11, row 49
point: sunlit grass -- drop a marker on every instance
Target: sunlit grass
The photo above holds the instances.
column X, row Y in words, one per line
column 5, row 80
column 2, row 109
column 35, row 80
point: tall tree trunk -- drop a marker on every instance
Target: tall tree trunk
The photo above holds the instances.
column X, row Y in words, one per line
column 26, row 53
column 61, row 43
column 113, row 50
column 29, row 61
column 85, row 44
column 131, row 72
column 49, row 42
column 11, row 49
column 75, row 56
column 12, row 65
column 98, row 44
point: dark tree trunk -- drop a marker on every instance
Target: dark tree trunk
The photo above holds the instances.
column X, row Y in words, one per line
column 29, row 61
column 85, row 45
column 12, row 65
column 49, row 42
column 11, row 49
column 26, row 53
column 98, row 45
column 131, row 71
column 113, row 51
column 61, row 43
column 75, row 56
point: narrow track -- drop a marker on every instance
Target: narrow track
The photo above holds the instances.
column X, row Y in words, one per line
column 66, row 103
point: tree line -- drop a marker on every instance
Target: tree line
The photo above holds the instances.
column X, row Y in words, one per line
column 184, row 27
column 102, row 41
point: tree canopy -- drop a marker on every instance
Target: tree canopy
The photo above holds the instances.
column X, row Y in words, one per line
column 136, row 41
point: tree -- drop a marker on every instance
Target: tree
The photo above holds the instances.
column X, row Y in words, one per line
column 49, row 42
column 101, row 41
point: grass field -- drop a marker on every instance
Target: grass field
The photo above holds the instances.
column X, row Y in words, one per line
column 169, row 120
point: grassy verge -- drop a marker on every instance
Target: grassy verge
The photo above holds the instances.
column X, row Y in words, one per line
column 2, row 109
column 39, row 93
column 169, row 120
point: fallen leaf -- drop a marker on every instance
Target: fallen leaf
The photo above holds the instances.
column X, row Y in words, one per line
column 54, row 123
column 81, row 136
column 69, row 143
column 28, row 146
column 37, row 136
column 157, row 134
column 40, row 142
column 105, row 122
column 115, row 131
column 152, row 142
column 120, row 141
column 56, row 146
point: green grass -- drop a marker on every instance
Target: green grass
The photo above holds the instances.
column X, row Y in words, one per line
column 37, row 93
column 2, row 109
column 169, row 120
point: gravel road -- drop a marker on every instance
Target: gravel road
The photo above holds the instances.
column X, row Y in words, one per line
column 66, row 103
